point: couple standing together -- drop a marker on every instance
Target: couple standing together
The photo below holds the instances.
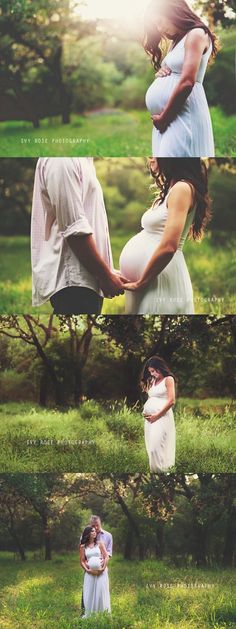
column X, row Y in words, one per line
column 71, row 254
column 95, row 551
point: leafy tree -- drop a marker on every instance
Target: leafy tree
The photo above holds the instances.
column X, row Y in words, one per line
column 40, row 333
column 32, row 73
column 219, row 12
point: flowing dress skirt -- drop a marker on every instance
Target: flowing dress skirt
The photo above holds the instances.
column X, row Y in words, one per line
column 160, row 442
column 96, row 593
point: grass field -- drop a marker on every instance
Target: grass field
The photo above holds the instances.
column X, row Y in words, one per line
column 102, row 439
column 212, row 270
column 109, row 134
column 144, row 595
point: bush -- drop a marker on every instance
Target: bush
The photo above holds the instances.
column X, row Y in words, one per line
column 13, row 386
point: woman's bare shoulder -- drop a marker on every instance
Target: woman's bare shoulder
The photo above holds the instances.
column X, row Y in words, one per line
column 197, row 34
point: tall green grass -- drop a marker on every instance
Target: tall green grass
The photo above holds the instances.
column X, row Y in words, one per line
column 98, row 438
column 117, row 134
column 144, row 595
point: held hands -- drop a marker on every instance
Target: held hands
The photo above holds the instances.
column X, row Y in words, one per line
column 112, row 284
column 135, row 286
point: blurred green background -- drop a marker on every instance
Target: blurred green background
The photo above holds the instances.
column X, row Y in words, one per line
column 73, row 86
column 128, row 193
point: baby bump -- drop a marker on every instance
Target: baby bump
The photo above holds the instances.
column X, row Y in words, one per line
column 136, row 255
column 159, row 93
column 153, row 405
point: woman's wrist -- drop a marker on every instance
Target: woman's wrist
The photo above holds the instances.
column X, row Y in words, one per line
column 143, row 281
column 166, row 117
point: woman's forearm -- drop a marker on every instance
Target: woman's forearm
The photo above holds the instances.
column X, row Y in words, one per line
column 84, row 565
column 177, row 100
column 157, row 263
column 166, row 408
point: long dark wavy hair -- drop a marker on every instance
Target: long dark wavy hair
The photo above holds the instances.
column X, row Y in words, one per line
column 86, row 535
column 194, row 171
column 181, row 16
column 157, row 363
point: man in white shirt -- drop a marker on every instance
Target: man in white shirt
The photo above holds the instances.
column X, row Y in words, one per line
column 102, row 535
column 70, row 246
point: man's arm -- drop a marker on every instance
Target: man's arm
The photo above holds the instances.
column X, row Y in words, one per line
column 64, row 188
column 85, row 250
column 109, row 545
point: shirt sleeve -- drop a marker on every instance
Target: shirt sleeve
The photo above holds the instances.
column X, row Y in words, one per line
column 64, row 186
column 109, row 545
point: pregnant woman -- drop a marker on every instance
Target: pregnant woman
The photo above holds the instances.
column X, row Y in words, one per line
column 153, row 260
column 176, row 99
column 159, row 429
column 93, row 559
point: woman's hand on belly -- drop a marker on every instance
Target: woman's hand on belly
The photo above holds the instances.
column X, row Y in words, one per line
column 152, row 418
column 160, row 122
column 158, row 119
column 164, row 71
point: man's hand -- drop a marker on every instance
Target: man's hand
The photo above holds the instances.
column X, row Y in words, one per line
column 112, row 285
column 164, row 71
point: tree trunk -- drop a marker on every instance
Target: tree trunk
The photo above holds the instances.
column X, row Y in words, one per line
column 65, row 97
column 141, row 550
column 200, row 545
column 47, row 539
column 128, row 549
column 21, row 551
column 43, row 390
column 159, row 546
column 77, row 386
column 132, row 524
column 46, row 536
column 65, row 104
column 58, row 390
column 18, row 543
column 35, row 122
column 229, row 546
column 131, row 379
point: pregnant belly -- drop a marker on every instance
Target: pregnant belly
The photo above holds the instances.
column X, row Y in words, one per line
column 159, row 93
column 153, row 405
column 136, row 255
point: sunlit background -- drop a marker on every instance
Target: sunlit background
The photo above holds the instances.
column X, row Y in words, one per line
column 117, row 9
column 113, row 8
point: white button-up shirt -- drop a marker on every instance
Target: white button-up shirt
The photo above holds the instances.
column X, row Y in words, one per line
column 67, row 200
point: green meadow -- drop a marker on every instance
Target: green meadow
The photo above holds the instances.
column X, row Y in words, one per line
column 109, row 438
column 144, row 594
column 105, row 133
